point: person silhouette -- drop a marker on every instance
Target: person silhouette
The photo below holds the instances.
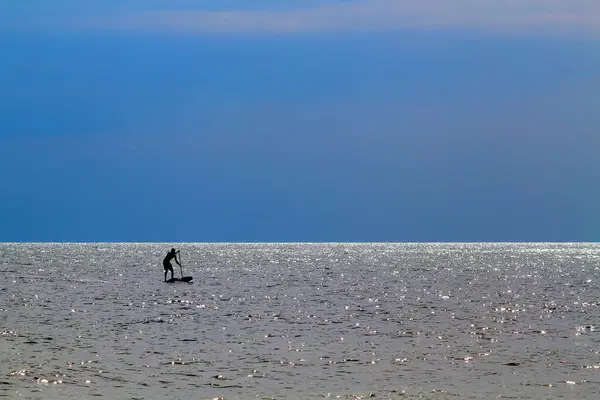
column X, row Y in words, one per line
column 167, row 262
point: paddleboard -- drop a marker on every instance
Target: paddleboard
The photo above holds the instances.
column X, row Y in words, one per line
column 184, row 279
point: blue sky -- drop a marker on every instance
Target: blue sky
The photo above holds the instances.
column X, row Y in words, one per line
column 322, row 120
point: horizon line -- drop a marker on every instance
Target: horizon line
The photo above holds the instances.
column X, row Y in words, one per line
column 304, row 242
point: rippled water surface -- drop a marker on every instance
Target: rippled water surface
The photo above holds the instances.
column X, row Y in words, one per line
column 301, row 321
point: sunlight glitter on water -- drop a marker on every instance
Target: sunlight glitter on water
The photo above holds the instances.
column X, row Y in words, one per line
column 301, row 321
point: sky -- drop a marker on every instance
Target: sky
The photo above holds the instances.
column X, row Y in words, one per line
column 312, row 121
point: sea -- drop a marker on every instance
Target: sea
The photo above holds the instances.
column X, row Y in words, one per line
column 300, row 321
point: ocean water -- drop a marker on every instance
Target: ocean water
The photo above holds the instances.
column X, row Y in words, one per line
column 301, row 321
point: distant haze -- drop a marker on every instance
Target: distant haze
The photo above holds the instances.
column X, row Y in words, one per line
column 337, row 121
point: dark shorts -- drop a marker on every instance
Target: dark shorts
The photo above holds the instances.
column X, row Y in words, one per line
column 167, row 265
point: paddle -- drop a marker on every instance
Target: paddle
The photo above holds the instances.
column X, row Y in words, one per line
column 183, row 278
column 180, row 267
